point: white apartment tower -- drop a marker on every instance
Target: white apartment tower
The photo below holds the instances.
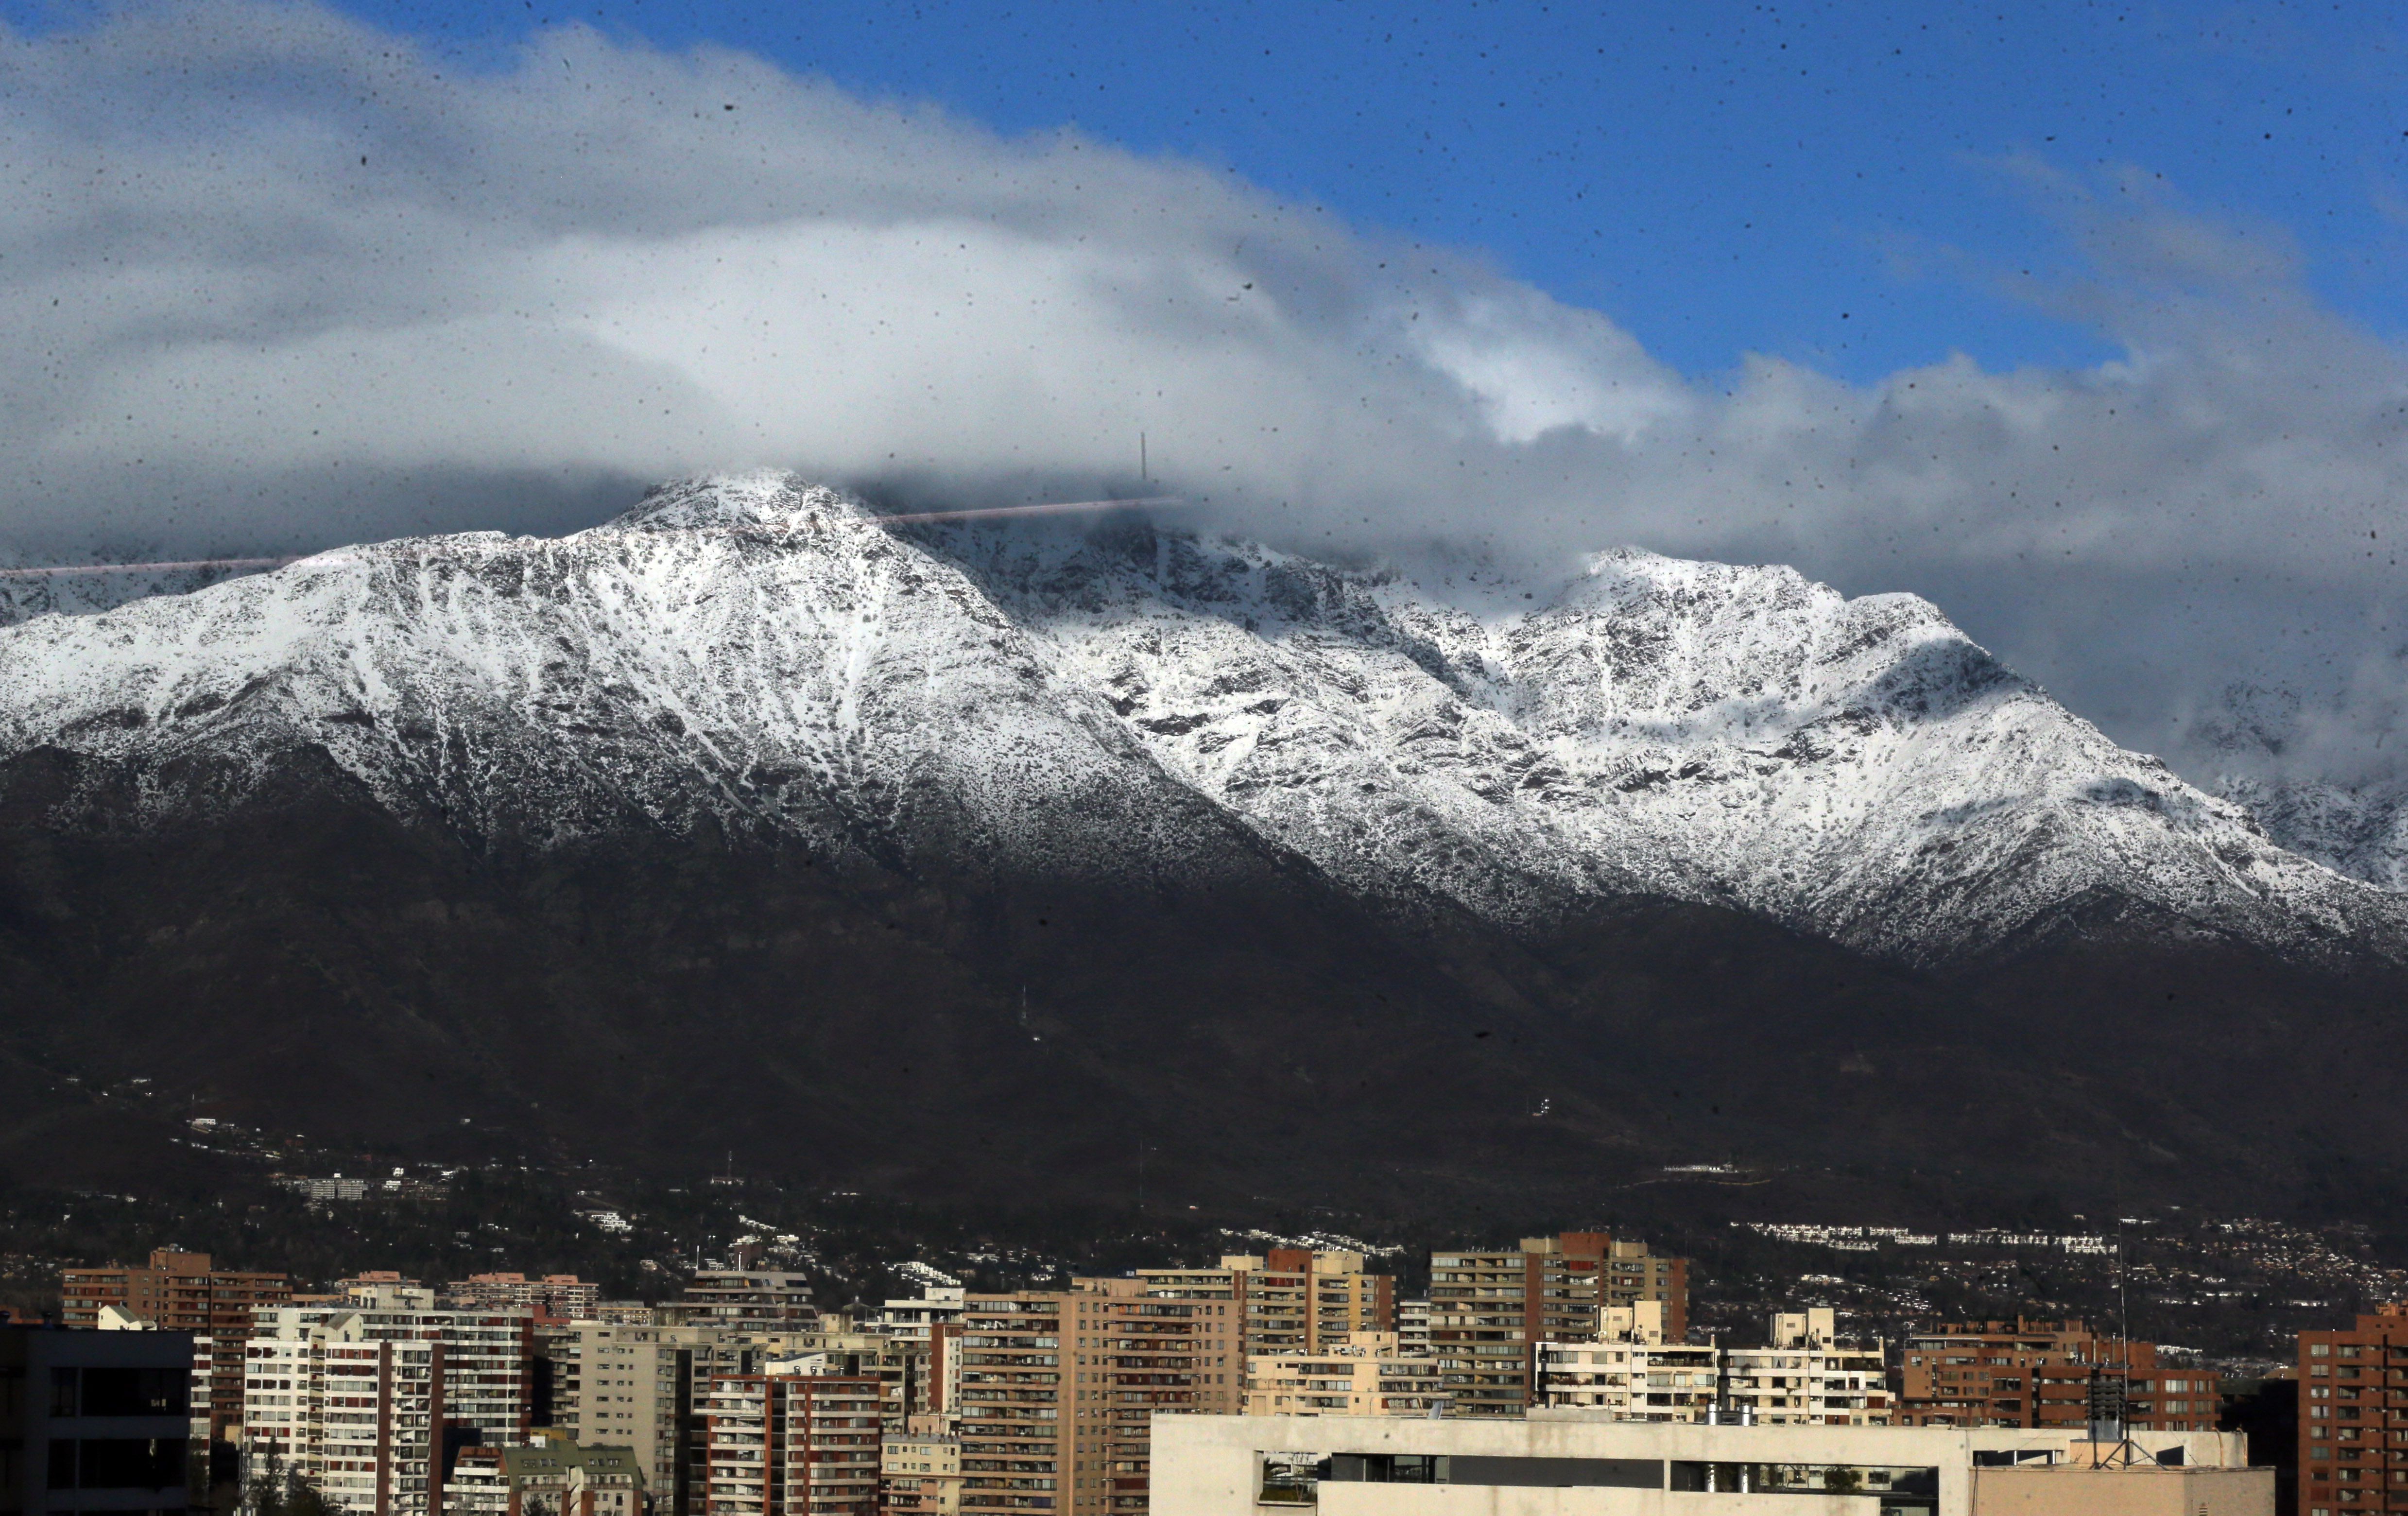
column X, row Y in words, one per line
column 361, row 1399
column 1804, row 1376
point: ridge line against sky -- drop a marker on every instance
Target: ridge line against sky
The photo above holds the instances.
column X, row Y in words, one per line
column 280, row 275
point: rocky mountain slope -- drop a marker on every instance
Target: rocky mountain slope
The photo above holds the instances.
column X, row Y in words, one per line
column 972, row 855
column 2250, row 746
column 759, row 657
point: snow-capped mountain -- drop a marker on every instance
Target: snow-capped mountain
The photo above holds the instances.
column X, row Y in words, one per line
column 2250, row 745
column 764, row 658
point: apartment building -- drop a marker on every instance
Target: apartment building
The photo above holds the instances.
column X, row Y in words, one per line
column 1368, row 1374
column 1291, row 1300
column 1059, row 1389
column 1803, row 1375
column 1016, row 1412
column 637, row 1385
column 370, row 1402
column 550, row 1475
column 752, row 1299
column 1138, row 1353
column 182, row 1291
column 630, row 1387
column 2352, row 1386
column 920, row 1470
column 1489, row 1310
column 792, row 1445
column 1991, row 1373
column 912, row 1372
column 563, row 1295
column 1412, row 1326
column 2147, row 1396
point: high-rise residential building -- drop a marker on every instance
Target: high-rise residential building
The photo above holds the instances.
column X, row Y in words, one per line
column 1412, row 1326
column 1138, row 1352
column 629, row 1387
column 372, row 1401
column 1489, row 1310
column 1991, row 1373
column 641, row 1387
column 563, row 1295
column 1059, row 1389
column 2346, row 1402
column 182, row 1291
column 1016, row 1412
column 638, row 1386
column 755, row 1298
column 1368, row 1374
column 792, row 1445
column 1803, row 1376
column 1291, row 1300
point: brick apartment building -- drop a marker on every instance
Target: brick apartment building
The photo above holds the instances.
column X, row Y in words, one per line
column 2353, row 1385
column 183, row 1292
column 2046, row 1374
column 1489, row 1310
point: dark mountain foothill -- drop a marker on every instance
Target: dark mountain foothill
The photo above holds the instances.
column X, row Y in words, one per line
column 978, row 865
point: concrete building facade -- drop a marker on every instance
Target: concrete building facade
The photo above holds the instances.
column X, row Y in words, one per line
column 1290, row 1300
column 1368, row 1374
column 562, row 1295
column 371, row 1403
column 792, row 1445
column 1803, row 1375
column 1016, row 1415
column 920, row 1470
column 1489, row 1310
column 1563, row 1464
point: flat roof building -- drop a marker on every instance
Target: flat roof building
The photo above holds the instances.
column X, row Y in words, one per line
column 1366, row 1374
column 1803, row 1375
column 1558, row 1464
column 93, row 1420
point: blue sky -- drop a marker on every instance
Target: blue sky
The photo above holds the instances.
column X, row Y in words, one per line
column 281, row 275
column 1827, row 183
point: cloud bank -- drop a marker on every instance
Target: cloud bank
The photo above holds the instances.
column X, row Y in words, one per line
column 271, row 279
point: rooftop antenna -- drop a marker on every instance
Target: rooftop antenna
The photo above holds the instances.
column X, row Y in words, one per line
column 1141, row 471
column 2126, row 1453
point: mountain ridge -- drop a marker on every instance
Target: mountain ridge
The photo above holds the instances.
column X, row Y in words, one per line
column 942, row 857
column 768, row 655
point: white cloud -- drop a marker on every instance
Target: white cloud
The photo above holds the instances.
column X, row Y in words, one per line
column 271, row 276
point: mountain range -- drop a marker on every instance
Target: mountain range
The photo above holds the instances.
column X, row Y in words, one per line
column 937, row 857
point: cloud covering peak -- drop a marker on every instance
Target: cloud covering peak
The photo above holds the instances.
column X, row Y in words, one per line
column 273, row 278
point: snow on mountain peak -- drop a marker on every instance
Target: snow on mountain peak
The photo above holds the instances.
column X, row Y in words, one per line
column 762, row 497
column 761, row 656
